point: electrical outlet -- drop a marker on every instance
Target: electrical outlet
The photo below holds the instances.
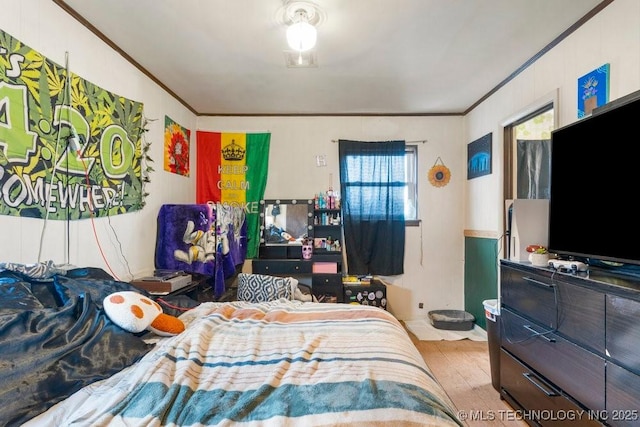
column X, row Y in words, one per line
column 420, row 305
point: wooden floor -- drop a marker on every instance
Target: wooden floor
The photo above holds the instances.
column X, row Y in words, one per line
column 463, row 369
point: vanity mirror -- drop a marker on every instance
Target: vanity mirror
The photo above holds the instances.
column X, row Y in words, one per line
column 285, row 221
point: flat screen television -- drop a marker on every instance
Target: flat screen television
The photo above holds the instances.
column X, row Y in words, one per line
column 595, row 186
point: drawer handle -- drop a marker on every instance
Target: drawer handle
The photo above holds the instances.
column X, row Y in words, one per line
column 539, row 334
column 544, row 387
column 537, row 282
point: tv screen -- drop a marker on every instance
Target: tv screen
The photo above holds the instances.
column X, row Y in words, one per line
column 595, row 185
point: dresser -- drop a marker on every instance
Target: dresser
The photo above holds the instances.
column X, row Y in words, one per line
column 322, row 273
column 570, row 345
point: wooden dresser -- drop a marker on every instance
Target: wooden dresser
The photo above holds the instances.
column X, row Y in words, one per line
column 570, row 345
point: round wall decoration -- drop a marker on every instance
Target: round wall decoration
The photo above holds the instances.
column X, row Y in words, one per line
column 439, row 174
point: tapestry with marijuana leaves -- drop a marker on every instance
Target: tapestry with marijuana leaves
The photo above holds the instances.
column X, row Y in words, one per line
column 67, row 146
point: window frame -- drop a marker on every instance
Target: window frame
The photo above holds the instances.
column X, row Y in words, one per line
column 411, row 178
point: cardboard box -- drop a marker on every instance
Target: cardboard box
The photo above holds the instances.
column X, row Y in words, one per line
column 161, row 285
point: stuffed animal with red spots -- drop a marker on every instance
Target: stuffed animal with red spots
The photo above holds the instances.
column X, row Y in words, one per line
column 135, row 313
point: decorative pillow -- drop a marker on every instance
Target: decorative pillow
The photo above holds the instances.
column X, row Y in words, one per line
column 263, row 288
column 134, row 312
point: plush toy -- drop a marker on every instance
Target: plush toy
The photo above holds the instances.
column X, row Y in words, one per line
column 135, row 312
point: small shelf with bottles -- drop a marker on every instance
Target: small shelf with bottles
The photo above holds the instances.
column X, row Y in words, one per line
column 327, row 223
column 327, row 247
column 326, row 217
column 329, row 200
column 327, row 244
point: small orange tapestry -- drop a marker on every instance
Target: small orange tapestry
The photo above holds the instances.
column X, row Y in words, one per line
column 176, row 147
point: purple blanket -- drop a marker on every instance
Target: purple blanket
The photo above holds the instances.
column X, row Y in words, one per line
column 207, row 239
column 186, row 239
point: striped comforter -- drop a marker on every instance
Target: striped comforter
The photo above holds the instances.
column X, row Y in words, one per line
column 281, row 363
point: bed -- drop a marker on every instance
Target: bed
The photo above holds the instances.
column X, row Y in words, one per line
column 279, row 362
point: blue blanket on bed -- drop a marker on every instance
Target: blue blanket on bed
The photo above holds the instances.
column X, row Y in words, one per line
column 56, row 338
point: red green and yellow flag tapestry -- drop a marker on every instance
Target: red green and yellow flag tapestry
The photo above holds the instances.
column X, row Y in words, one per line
column 68, row 148
column 176, row 147
column 232, row 169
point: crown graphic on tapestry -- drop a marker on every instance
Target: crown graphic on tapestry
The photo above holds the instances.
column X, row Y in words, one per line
column 233, row 151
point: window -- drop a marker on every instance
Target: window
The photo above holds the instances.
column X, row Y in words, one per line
column 409, row 181
column 411, row 185
column 375, row 183
column 528, row 142
column 527, row 137
column 374, row 189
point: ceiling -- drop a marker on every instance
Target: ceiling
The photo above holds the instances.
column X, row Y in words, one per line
column 373, row 57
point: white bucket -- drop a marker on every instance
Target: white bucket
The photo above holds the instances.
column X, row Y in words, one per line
column 491, row 309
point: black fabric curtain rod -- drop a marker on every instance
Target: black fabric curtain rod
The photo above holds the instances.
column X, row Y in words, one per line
column 422, row 141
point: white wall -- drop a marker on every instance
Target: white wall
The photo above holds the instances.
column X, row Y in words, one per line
column 48, row 29
column 433, row 266
column 612, row 36
column 434, row 251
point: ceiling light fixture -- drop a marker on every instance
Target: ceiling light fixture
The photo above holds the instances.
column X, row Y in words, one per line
column 302, row 18
column 301, row 35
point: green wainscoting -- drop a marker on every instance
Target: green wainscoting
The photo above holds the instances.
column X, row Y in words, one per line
column 480, row 275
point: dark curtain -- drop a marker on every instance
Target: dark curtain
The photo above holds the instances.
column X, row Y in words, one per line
column 372, row 185
column 534, row 168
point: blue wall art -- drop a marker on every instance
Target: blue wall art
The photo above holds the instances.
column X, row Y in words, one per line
column 593, row 90
column 479, row 157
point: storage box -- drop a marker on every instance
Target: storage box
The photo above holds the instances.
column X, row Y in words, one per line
column 325, row 267
column 374, row 294
column 161, row 285
column 453, row 320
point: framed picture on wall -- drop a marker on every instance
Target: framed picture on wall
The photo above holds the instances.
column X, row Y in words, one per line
column 479, row 157
column 593, row 90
